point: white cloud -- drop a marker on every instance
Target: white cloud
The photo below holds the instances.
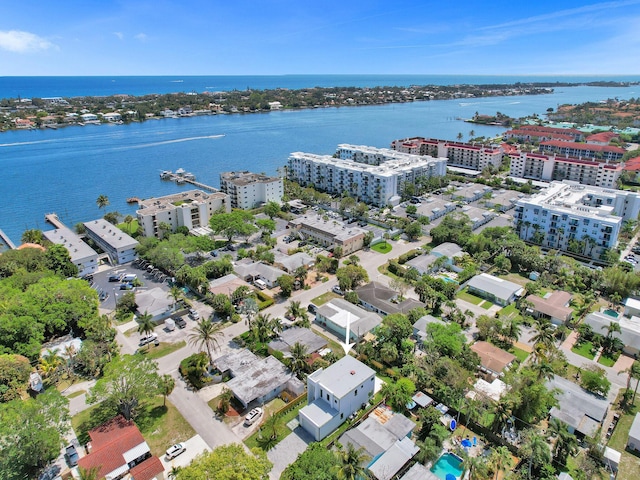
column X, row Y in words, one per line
column 119, row 35
column 142, row 37
column 23, row 42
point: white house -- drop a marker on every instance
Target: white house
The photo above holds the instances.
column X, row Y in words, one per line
column 120, row 247
column 335, row 314
column 633, row 443
column 81, row 254
column 335, row 393
column 494, row 289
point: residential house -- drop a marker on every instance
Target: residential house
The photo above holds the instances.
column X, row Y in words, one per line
column 632, row 307
column 477, row 216
column 554, row 306
column 426, row 263
column 156, row 302
column 379, row 298
column 291, row 262
column 633, row 442
column 581, row 411
column 420, row 327
column 329, row 233
column 256, row 379
column 289, row 337
column 250, row 271
column 629, row 330
column 433, row 208
column 338, row 314
column 385, row 438
column 493, row 360
column 334, row 394
column 496, row 290
column 116, row 448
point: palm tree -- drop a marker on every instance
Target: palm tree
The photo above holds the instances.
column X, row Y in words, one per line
column 50, row 365
column 350, row 463
column 633, row 372
column 32, row 236
column 566, row 443
column 88, row 474
column 543, row 369
column 225, row 401
column 176, row 294
column 206, row 334
column 299, row 358
column 296, row 311
column 272, row 427
column 500, row 459
column 145, row 325
column 476, row 466
column 102, row 201
column 501, row 415
column 611, row 329
column 262, row 327
column 128, row 220
column 167, row 384
column 511, row 329
column 545, row 334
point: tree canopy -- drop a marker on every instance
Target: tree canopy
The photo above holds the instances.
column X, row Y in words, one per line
column 228, row 462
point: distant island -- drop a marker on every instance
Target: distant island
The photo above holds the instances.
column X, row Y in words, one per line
column 55, row 112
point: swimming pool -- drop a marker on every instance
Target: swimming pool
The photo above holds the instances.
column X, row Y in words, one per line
column 448, row 463
column 610, row 312
column 447, row 279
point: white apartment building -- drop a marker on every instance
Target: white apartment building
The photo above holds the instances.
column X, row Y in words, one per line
column 81, row 254
column 335, row 393
column 458, row 154
column 120, row 247
column 537, row 166
column 567, row 212
column 379, row 183
column 191, row 209
column 250, row 190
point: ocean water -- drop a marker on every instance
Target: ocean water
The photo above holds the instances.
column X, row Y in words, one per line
column 27, row 87
column 65, row 170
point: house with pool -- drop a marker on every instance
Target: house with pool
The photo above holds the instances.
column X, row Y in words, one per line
column 629, row 332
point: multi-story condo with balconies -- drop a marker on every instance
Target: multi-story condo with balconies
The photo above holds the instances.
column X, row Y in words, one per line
column 458, row 154
column 191, row 209
column 538, row 133
column 582, row 150
column 568, row 216
column 80, row 254
column 120, row 247
column 250, row 190
column 537, row 166
column 371, row 175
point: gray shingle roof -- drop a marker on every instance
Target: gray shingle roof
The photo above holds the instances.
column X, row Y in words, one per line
column 290, row 336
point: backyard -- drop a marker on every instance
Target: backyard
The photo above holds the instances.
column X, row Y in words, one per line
column 160, row 425
column 630, row 462
column 585, row 349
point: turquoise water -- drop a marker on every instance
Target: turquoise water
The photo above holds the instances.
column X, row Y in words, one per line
column 611, row 313
column 448, row 279
column 447, row 463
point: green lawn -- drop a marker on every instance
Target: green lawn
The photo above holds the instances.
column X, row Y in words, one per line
column 76, row 393
column 629, row 463
column 608, row 361
column 510, row 311
column 516, row 278
column 283, row 430
column 161, row 426
column 382, row 247
column 161, row 350
column 324, row 298
column 520, row 354
column 129, row 229
column 584, row 349
column 467, row 297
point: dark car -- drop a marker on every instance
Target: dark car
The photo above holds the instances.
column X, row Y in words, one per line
column 115, row 278
column 71, row 456
column 180, row 323
column 312, row 308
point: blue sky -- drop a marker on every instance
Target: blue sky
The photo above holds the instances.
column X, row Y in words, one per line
column 271, row 37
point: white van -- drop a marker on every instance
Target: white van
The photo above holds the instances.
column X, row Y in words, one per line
column 169, row 324
column 131, row 277
column 260, row 284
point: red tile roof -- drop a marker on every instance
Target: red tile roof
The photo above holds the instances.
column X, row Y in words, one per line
column 584, row 146
column 147, row 470
column 604, row 137
column 109, row 442
column 633, row 164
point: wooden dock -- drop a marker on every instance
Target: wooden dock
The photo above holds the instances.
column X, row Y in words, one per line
column 202, row 186
column 53, row 219
column 6, row 240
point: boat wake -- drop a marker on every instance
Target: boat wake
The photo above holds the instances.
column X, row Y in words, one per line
column 177, row 140
column 18, row 144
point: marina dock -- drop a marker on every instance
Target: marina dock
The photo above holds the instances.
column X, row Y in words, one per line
column 6, row 240
column 53, row 219
column 202, row 186
column 181, row 177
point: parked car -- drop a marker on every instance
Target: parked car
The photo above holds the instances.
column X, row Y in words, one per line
column 71, row 456
column 193, row 314
column 312, row 308
column 174, row 450
column 252, row 416
column 153, row 337
column 126, row 286
column 115, row 277
column 337, row 289
column 180, row 323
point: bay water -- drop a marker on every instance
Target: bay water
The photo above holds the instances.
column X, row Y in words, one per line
column 65, row 170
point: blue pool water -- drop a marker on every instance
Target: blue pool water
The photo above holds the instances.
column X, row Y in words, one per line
column 448, row 279
column 610, row 312
column 448, row 464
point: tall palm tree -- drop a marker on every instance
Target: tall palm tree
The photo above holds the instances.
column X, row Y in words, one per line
column 206, row 334
column 88, row 474
column 299, row 358
column 102, row 201
column 176, row 294
column 476, row 466
column 296, row 311
column 50, row 364
column 501, row 415
column 543, row 369
column 167, row 384
column 350, row 463
column 271, row 427
column 633, row 372
column 544, row 334
column 145, row 325
column 262, row 327
column 566, row 443
column 500, row 459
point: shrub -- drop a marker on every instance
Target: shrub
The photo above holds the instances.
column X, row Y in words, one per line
column 193, row 367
